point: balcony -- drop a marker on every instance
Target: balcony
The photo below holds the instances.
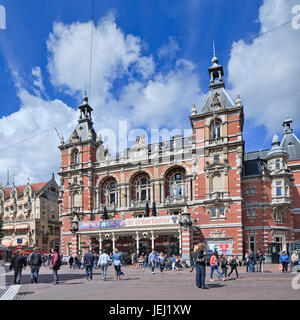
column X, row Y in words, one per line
column 281, row 200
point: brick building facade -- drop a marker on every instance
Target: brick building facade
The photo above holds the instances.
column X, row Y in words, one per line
column 172, row 194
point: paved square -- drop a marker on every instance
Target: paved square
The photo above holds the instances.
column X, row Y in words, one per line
column 140, row 284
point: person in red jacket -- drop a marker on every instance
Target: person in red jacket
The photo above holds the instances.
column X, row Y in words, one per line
column 214, row 265
column 55, row 265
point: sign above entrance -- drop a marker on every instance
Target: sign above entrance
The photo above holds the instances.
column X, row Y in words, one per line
column 137, row 222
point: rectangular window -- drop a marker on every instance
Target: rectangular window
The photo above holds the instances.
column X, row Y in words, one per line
column 222, row 212
column 252, row 243
column 278, row 191
column 248, row 212
column 253, row 212
column 213, row 212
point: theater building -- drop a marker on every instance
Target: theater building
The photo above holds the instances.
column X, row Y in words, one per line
column 172, row 194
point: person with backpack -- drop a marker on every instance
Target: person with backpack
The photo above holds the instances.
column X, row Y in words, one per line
column 233, row 265
column 200, row 263
column 117, row 260
column 55, row 265
column 17, row 263
column 88, row 261
column 224, row 265
column 214, row 265
column 35, row 262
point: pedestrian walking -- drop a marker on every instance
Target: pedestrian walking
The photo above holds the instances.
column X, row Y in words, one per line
column 224, row 265
column 194, row 262
column 35, row 262
column 233, row 266
column 55, row 264
column 17, row 263
column 151, row 260
column 71, row 261
column 161, row 261
column 261, row 261
column 247, row 260
column 103, row 264
column 284, row 260
column 117, row 260
column 214, row 265
column 251, row 261
column 200, row 263
column 295, row 258
column 88, row 261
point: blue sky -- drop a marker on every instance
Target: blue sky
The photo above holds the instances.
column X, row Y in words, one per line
column 172, row 44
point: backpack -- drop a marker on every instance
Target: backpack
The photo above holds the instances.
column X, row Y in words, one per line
column 58, row 262
column 36, row 259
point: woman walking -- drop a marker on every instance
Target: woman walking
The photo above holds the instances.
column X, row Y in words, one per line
column 224, row 265
column 117, row 259
column 284, row 260
column 233, row 265
column 200, row 263
column 161, row 261
column 214, row 265
column 194, row 262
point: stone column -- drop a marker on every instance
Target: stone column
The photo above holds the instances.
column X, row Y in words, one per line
column 126, row 196
column 75, row 244
column 113, row 241
column 137, row 244
column 163, row 192
column 186, row 245
column 100, row 243
column 152, row 240
column 180, row 242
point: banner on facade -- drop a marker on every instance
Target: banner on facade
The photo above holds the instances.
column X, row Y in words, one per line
column 143, row 222
column 221, row 247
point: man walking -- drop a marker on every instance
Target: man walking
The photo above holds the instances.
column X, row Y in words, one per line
column 17, row 263
column 55, row 264
column 71, row 261
column 88, row 260
column 35, row 262
column 151, row 260
column 295, row 258
column 103, row 263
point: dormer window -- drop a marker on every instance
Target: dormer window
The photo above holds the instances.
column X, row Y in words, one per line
column 216, row 130
column 277, row 164
column 278, row 189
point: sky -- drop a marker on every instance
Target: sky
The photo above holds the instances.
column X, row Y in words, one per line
column 149, row 65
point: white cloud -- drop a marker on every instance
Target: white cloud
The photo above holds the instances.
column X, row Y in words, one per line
column 147, row 98
column 38, row 157
column 266, row 71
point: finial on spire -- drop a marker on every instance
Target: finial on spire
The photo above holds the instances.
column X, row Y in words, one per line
column 193, row 110
column 238, row 102
column 214, row 48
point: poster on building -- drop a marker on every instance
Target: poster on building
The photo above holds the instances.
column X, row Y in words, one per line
column 220, row 247
column 136, row 222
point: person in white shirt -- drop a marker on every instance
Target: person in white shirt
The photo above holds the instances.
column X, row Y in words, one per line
column 103, row 263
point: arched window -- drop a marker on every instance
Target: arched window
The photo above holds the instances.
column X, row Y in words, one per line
column 108, row 192
column 177, row 185
column 142, row 189
column 111, row 193
column 216, row 130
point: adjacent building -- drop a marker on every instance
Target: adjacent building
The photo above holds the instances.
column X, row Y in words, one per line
column 31, row 215
column 172, row 194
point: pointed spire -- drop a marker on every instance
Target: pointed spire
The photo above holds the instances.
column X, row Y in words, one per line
column 216, row 72
column 193, row 110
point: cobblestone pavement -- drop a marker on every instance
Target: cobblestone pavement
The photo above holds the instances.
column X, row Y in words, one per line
column 139, row 284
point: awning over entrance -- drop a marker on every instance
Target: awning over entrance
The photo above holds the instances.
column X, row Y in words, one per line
column 22, row 227
column 8, row 228
column 6, row 242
